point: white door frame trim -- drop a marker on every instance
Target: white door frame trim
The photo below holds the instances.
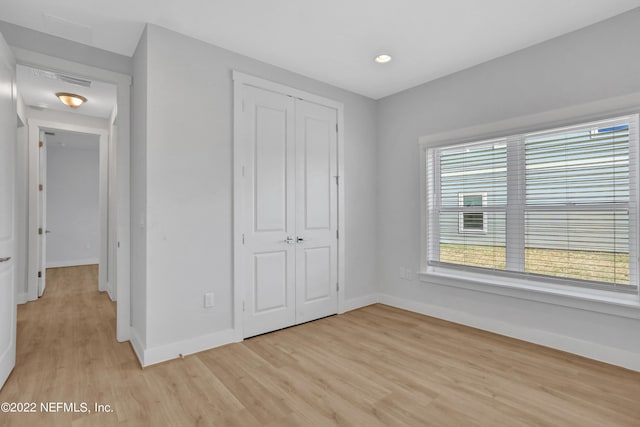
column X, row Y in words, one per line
column 35, row 126
column 122, row 222
column 240, row 80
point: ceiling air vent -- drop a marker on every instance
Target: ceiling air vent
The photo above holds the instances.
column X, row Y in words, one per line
column 62, row 77
column 74, row 80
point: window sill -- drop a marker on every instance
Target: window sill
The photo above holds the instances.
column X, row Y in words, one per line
column 623, row 305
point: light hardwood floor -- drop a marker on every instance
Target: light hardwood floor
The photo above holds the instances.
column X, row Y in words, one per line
column 377, row 366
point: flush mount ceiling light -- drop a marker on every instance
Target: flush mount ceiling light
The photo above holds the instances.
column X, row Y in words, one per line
column 71, row 99
column 382, row 58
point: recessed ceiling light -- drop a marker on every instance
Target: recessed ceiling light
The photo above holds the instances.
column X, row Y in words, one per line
column 382, row 58
column 71, row 99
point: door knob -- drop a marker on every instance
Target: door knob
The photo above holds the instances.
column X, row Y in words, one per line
column 5, row 259
column 300, row 239
column 47, row 231
column 289, row 240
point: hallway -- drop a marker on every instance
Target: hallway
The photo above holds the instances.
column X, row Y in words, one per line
column 66, row 350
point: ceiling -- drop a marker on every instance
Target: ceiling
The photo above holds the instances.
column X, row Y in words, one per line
column 329, row 40
column 38, row 89
column 62, row 139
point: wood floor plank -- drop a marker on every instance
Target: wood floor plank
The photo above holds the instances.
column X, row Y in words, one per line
column 376, row 366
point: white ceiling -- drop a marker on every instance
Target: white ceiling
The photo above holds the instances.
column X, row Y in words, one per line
column 62, row 139
column 330, row 40
column 38, row 89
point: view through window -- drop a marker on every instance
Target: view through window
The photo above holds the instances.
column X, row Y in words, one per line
column 560, row 203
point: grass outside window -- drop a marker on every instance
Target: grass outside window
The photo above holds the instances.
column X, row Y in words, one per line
column 595, row 266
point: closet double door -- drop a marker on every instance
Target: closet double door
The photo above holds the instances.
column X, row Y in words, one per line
column 290, row 250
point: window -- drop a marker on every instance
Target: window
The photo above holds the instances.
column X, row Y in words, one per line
column 556, row 205
column 472, row 222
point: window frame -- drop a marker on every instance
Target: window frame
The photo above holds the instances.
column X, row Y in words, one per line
column 536, row 289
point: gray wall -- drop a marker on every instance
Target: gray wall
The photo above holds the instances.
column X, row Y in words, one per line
column 73, row 211
column 24, row 38
column 139, row 191
column 189, row 189
column 562, row 72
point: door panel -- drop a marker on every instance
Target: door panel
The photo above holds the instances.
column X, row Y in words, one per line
column 270, row 281
column 268, row 136
column 6, row 182
column 270, row 165
column 317, row 281
column 8, row 125
column 6, row 303
column 316, row 211
column 317, row 173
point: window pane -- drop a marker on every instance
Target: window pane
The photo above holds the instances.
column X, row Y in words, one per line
column 478, row 170
column 589, row 166
column 586, row 245
column 573, row 169
column 473, row 249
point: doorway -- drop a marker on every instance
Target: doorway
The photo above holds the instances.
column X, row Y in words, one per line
column 114, row 131
column 73, row 200
column 288, row 199
column 75, row 150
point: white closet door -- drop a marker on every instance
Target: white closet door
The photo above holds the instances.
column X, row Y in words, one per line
column 269, row 211
column 316, row 211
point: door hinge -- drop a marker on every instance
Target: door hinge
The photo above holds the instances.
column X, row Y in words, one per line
column 338, row 287
column 336, row 128
column 40, row 144
column 242, row 170
column 243, row 306
column 243, row 238
column 337, row 179
column 40, row 187
column 337, row 234
column 39, row 230
column 39, row 274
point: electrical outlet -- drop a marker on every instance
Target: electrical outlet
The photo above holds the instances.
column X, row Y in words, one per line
column 408, row 274
column 209, row 300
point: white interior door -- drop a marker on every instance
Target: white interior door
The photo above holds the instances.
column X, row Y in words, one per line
column 316, row 211
column 42, row 213
column 269, row 231
column 7, row 220
column 290, row 212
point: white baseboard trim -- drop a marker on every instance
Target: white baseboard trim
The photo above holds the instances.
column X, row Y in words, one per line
column 166, row 352
column 110, row 293
column 73, row 263
column 355, row 303
column 22, row 298
column 614, row 356
column 138, row 347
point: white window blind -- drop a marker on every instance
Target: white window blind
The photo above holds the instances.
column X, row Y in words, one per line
column 559, row 204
